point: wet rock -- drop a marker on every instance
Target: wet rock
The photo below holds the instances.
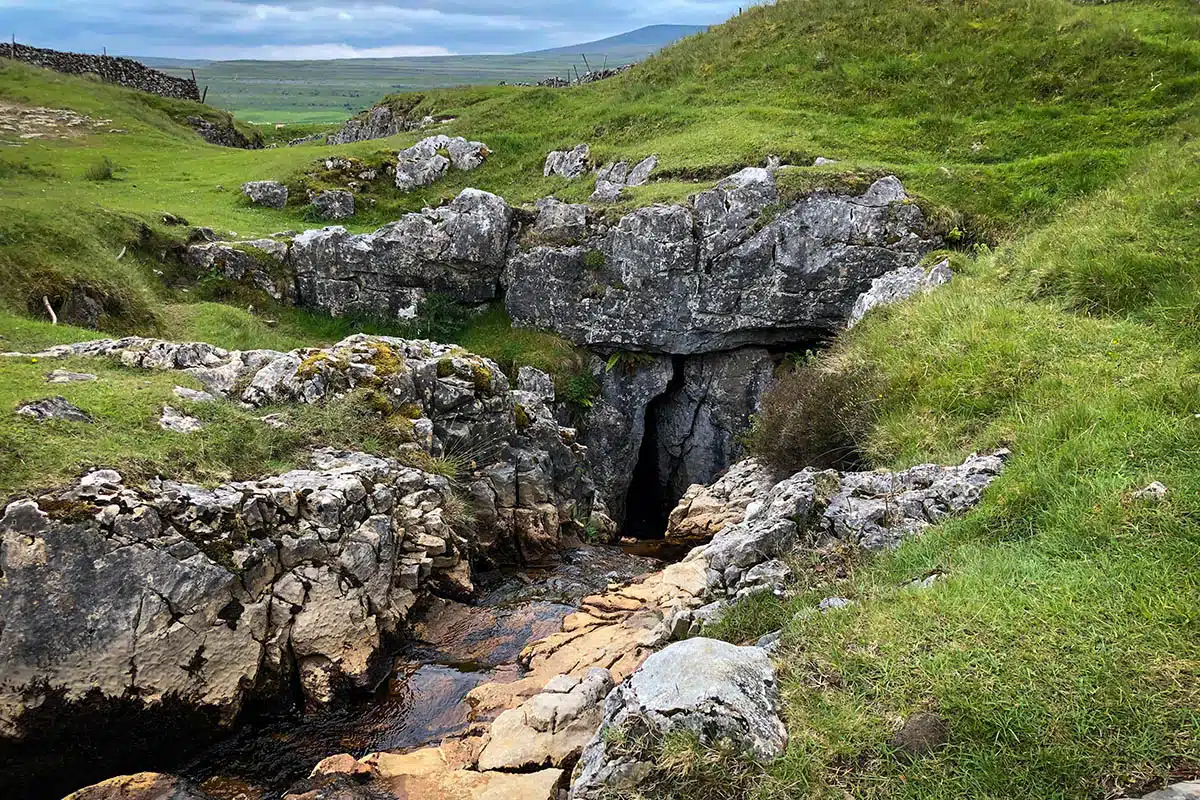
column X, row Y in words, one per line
column 551, row 728
column 425, row 774
column 54, row 408
column 707, row 277
column 921, row 734
column 271, row 194
column 334, row 205
column 142, row 786
column 705, row 509
column 897, row 286
column 569, row 164
column 65, row 376
column 708, row 688
column 176, row 422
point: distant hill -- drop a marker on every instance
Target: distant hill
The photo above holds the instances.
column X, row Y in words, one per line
column 333, row 90
column 654, row 37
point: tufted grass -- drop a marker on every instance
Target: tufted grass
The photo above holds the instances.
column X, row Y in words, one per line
column 1061, row 645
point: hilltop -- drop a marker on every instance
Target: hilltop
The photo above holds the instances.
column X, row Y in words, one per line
column 1054, row 145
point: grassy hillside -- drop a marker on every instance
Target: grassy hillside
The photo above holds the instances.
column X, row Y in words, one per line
column 1060, row 139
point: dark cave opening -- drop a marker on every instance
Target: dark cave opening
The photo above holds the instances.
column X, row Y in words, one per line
column 649, row 501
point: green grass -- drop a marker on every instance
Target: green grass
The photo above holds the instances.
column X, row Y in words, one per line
column 1062, row 644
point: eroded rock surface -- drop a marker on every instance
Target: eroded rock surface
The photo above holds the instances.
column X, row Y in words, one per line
column 430, row 159
column 57, row 407
column 711, row 689
column 458, row 249
column 899, row 285
column 707, row 276
column 271, row 194
column 569, row 164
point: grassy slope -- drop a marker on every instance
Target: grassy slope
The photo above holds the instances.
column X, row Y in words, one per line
column 1062, row 646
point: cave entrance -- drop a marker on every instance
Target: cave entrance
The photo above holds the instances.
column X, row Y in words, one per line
column 649, row 501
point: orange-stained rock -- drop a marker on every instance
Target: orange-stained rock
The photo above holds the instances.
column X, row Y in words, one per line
column 425, row 775
column 142, row 786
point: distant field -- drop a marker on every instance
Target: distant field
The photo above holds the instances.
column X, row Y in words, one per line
column 331, row 91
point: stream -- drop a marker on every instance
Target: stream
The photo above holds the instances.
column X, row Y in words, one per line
column 452, row 648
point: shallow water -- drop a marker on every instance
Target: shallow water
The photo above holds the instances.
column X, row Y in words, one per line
column 452, row 648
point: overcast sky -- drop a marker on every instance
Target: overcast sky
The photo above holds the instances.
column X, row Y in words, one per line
column 307, row 29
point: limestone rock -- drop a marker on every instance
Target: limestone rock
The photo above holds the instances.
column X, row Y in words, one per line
column 899, row 285
column 709, row 688
column 334, row 204
column 458, row 249
column 569, row 164
column 142, row 786
column 192, row 395
column 1155, row 491
column 428, row 160
column 261, row 263
column 707, row 276
column 425, row 774
column 551, row 728
column 65, row 376
column 176, row 422
column 561, row 223
column 705, row 509
column 378, row 123
column 1179, row 791
column 54, row 408
column 271, row 194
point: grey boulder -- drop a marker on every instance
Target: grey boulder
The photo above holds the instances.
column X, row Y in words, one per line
column 54, row 408
column 569, row 164
column 711, row 689
column 271, row 194
column 334, row 204
column 899, row 285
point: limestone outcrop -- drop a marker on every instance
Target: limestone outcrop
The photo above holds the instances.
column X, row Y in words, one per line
column 528, row 479
column 712, row 275
column 711, row 689
column 378, row 123
column 428, row 160
column 458, row 249
column 569, row 164
column 205, row 595
column 271, row 194
column 899, row 285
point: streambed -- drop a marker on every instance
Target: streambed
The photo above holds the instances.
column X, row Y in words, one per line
column 452, row 648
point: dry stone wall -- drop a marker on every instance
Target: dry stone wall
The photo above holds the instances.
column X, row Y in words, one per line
column 122, row 71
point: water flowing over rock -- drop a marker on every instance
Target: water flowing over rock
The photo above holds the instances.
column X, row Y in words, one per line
column 708, row 276
column 271, row 194
column 710, row 689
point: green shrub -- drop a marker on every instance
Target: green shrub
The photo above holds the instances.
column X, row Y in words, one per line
column 102, row 170
column 817, row 415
